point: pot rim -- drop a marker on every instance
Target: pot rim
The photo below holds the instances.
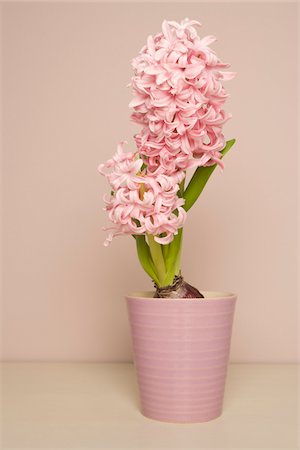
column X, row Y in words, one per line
column 208, row 295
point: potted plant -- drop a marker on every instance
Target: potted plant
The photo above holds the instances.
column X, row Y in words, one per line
column 181, row 336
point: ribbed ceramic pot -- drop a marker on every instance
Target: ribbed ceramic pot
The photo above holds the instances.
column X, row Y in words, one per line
column 181, row 351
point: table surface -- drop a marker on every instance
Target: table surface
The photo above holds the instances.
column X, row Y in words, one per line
column 91, row 405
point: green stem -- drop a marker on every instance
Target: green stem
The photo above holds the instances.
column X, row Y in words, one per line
column 177, row 264
column 145, row 257
column 173, row 258
column 158, row 259
column 181, row 188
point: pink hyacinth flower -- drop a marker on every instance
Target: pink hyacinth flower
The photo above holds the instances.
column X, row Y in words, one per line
column 178, row 97
column 142, row 203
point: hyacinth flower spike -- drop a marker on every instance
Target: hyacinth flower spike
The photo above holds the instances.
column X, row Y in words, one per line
column 178, row 99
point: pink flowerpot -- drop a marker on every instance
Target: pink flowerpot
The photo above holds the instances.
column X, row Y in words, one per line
column 181, row 350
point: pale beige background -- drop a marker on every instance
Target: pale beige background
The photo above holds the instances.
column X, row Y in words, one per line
column 65, row 68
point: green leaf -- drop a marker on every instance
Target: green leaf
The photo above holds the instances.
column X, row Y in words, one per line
column 145, row 257
column 200, row 178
